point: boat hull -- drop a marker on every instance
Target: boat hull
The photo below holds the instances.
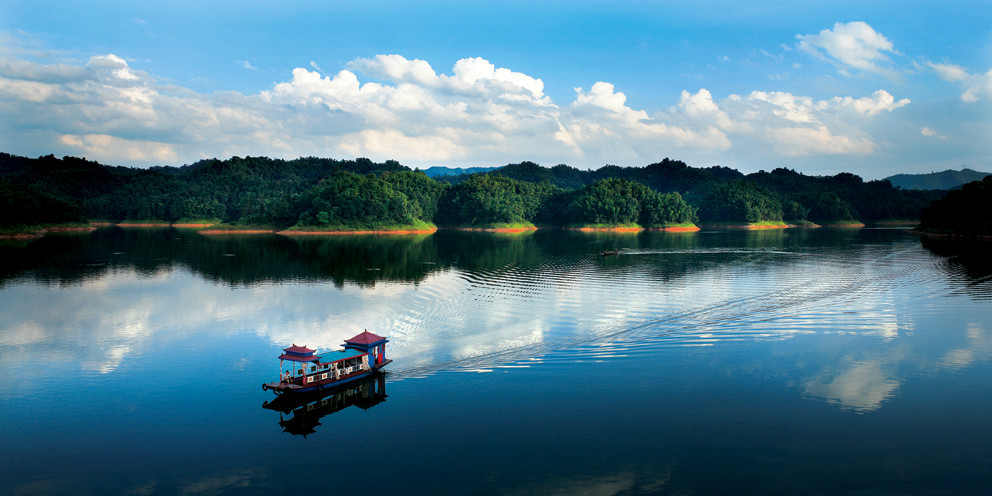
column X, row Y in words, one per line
column 284, row 387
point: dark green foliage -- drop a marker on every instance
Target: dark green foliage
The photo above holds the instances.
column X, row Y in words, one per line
column 823, row 207
column 740, row 202
column 248, row 190
column 967, row 211
column 421, row 191
column 561, row 175
column 484, row 199
column 281, row 193
column 364, row 201
column 870, row 201
column 22, row 205
column 621, row 201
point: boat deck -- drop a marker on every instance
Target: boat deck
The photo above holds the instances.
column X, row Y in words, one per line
column 291, row 387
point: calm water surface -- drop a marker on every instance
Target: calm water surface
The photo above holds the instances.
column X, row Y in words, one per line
column 798, row 362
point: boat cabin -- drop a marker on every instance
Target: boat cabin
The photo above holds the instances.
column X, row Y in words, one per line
column 303, row 369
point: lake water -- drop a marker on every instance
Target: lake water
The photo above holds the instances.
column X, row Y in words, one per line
column 783, row 362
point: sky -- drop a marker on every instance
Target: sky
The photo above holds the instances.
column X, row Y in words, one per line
column 873, row 88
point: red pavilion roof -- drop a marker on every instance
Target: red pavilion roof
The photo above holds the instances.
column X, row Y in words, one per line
column 299, row 350
column 365, row 338
column 298, row 354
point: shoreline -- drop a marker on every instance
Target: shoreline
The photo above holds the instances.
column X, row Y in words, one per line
column 41, row 232
column 977, row 237
column 606, row 229
column 676, row 229
column 236, row 231
column 345, row 233
column 749, row 227
column 204, row 228
column 494, row 229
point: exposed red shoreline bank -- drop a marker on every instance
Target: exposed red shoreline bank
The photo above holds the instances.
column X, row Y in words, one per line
column 495, row 229
column 236, row 231
column 70, row 229
column 345, row 233
column 605, row 229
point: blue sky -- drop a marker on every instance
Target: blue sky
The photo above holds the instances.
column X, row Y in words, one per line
column 874, row 88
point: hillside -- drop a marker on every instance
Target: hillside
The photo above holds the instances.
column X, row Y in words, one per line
column 945, row 180
column 319, row 194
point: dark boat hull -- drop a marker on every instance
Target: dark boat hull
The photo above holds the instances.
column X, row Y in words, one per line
column 282, row 387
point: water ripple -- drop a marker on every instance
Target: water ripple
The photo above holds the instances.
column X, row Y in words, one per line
column 604, row 308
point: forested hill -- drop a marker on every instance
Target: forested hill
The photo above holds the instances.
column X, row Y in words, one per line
column 948, row 179
column 781, row 194
column 360, row 194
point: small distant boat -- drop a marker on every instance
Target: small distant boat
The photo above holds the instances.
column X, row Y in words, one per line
column 607, row 253
column 362, row 356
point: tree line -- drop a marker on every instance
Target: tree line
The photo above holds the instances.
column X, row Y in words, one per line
column 963, row 212
column 321, row 193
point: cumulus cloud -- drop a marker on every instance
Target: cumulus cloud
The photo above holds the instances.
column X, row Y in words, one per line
column 877, row 102
column 852, row 45
column 392, row 107
column 975, row 87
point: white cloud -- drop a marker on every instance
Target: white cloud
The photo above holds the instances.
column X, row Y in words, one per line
column 102, row 145
column 949, row 72
column 978, row 87
column 855, row 45
column 926, row 131
column 477, row 114
column 975, row 86
column 877, row 102
column 247, row 65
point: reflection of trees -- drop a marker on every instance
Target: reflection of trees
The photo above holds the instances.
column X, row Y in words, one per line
column 367, row 259
column 969, row 265
column 232, row 259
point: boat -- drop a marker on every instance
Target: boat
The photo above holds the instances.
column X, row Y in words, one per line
column 607, row 253
column 308, row 371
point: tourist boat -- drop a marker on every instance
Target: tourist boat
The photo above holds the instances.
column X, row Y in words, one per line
column 362, row 356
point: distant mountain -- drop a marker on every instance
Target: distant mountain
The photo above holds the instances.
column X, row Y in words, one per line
column 948, row 179
column 455, row 171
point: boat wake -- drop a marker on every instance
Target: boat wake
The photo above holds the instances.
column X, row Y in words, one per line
column 571, row 309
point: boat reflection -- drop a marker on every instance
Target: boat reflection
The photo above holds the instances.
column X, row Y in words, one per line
column 300, row 414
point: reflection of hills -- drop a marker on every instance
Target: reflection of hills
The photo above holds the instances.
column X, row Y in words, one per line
column 969, row 263
column 300, row 414
column 365, row 259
